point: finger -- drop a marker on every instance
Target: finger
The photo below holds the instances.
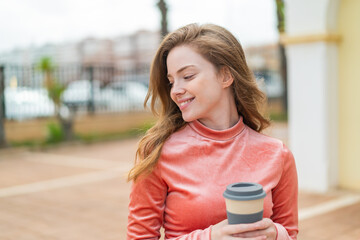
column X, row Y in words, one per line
column 254, row 238
column 270, row 231
column 259, row 238
column 251, row 234
column 261, row 228
column 267, row 222
column 240, row 228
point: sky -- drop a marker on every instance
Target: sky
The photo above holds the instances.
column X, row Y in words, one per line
column 25, row 23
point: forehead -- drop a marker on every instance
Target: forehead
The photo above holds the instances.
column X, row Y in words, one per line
column 181, row 56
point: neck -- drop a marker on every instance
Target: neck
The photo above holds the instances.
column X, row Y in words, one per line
column 221, row 124
column 226, row 118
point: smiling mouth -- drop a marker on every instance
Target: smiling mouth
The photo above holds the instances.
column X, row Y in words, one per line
column 182, row 105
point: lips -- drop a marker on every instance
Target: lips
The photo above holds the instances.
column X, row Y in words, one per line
column 183, row 104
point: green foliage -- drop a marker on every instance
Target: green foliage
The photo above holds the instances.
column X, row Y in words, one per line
column 55, row 90
column 279, row 116
column 130, row 133
column 27, row 143
column 280, row 12
column 55, row 133
column 45, row 64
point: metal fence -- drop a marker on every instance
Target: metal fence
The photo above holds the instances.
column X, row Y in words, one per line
column 91, row 88
column 2, row 107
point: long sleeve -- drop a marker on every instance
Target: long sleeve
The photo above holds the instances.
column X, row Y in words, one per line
column 184, row 193
column 146, row 210
column 285, row 199
column 195, row 235
column 146, row 207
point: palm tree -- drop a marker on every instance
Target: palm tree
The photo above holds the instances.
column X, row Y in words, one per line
column 163, row 10
column 280, row 8
column 55, row 90
column 47, row 67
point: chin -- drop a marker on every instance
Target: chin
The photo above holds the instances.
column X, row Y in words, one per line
column 188, row 118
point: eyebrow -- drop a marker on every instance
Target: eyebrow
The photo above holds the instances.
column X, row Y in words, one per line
column 182, row 69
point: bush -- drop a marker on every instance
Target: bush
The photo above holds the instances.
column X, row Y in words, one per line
column 55, row 133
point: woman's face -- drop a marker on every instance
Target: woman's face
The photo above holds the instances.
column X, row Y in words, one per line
column 196, row 86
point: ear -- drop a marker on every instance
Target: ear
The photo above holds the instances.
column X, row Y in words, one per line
column 226, row 77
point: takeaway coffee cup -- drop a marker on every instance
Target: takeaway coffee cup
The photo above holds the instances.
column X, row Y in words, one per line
column 244, row 202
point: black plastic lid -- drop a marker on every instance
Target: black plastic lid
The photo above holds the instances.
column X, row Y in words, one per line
column 243, row 191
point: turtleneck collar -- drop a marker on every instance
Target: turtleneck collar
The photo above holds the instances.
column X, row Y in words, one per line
column 221, row 135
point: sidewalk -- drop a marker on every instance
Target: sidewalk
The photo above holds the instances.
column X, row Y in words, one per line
column 79, row 192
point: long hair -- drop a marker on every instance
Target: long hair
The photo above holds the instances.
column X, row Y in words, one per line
column 222, row 49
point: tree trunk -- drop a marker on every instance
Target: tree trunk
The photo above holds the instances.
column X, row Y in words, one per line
column 280, row 8
column 163, row 10
column 283, row 73
column 67, row 126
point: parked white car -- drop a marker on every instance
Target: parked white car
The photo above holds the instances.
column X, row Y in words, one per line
column 129, row 95
column 271, row 84
column 24, row 103
column 79, row 93
column 116, row 96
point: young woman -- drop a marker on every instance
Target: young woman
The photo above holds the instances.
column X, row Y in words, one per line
column 207, row 136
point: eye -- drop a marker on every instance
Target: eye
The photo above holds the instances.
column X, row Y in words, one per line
column 189, row 76
column 171, row 84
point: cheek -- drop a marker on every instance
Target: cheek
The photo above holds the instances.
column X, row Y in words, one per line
column 211, row 94
column 172, row 95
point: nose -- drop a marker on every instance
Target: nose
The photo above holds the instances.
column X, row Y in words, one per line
column 177, row 88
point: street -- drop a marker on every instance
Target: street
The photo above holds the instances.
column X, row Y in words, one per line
column 79, row 191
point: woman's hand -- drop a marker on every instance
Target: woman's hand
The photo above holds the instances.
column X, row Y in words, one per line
column 264, row 229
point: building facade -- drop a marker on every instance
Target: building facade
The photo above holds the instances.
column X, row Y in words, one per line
column 322, row 44
column 127, row 52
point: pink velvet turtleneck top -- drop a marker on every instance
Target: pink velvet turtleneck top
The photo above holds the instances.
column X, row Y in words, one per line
column 184, row 192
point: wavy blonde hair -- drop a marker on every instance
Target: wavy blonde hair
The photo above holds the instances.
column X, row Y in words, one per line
column 222, row 49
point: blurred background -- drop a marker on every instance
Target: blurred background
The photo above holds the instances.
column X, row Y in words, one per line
column 72, row 60
column 77, row 72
